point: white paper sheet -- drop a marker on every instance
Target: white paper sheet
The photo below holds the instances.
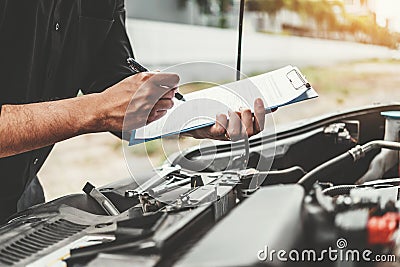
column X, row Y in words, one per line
column 277, row 88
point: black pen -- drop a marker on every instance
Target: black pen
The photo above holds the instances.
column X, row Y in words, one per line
column 134, row 65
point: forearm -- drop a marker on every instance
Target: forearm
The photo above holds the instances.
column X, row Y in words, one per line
column 27, row 127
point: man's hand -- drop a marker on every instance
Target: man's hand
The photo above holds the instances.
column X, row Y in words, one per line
column 32, row 126
column 142, row 98
column 240, row 124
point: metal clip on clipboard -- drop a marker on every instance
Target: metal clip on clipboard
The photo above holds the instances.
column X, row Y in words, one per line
column 297, row 79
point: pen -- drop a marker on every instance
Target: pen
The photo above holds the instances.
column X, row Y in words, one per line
column 134, row 65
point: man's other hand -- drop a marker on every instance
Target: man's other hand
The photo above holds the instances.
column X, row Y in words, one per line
column 240, row 124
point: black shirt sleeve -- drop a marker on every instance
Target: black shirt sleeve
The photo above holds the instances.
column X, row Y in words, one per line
column 2, row 11
column 3, row 5
column 112, row 66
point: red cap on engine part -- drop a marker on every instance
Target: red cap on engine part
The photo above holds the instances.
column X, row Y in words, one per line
column 381, row 229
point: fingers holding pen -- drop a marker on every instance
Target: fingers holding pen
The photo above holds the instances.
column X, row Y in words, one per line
column 156, row 115
column 163, row 104
column 170, row 94
column 165, row 80
column 160, row 93
column 138, row 100
column 160, row 109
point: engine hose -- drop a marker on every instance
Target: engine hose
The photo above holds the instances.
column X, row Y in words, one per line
column 324, row 170
column 353, row 155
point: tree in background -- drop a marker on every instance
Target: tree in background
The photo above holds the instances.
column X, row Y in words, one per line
column 329, row 17
column 205, row 6
column 265, row 7
column 224, row 7
column 213, row 7
column 320, row 11
column 365, row 30
column 364, row 2
column 324, row 16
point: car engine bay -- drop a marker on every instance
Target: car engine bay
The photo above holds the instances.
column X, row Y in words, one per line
column 320, row 192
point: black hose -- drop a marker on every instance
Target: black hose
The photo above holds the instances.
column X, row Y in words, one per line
column 324, row 170
column 352, row 155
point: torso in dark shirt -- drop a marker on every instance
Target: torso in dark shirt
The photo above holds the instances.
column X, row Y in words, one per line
column 51, row 49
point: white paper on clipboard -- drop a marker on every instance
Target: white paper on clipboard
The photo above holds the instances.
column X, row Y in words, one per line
column 277, row 88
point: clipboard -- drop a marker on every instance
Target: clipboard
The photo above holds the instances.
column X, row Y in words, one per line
column 277, row 88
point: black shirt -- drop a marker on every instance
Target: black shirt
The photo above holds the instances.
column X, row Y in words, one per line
column 51, row 49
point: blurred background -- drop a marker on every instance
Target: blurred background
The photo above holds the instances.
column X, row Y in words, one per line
column 348, row 50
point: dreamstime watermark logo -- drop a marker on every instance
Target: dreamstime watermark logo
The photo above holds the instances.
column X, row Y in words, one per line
column 341, row 243
column 340, row 253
